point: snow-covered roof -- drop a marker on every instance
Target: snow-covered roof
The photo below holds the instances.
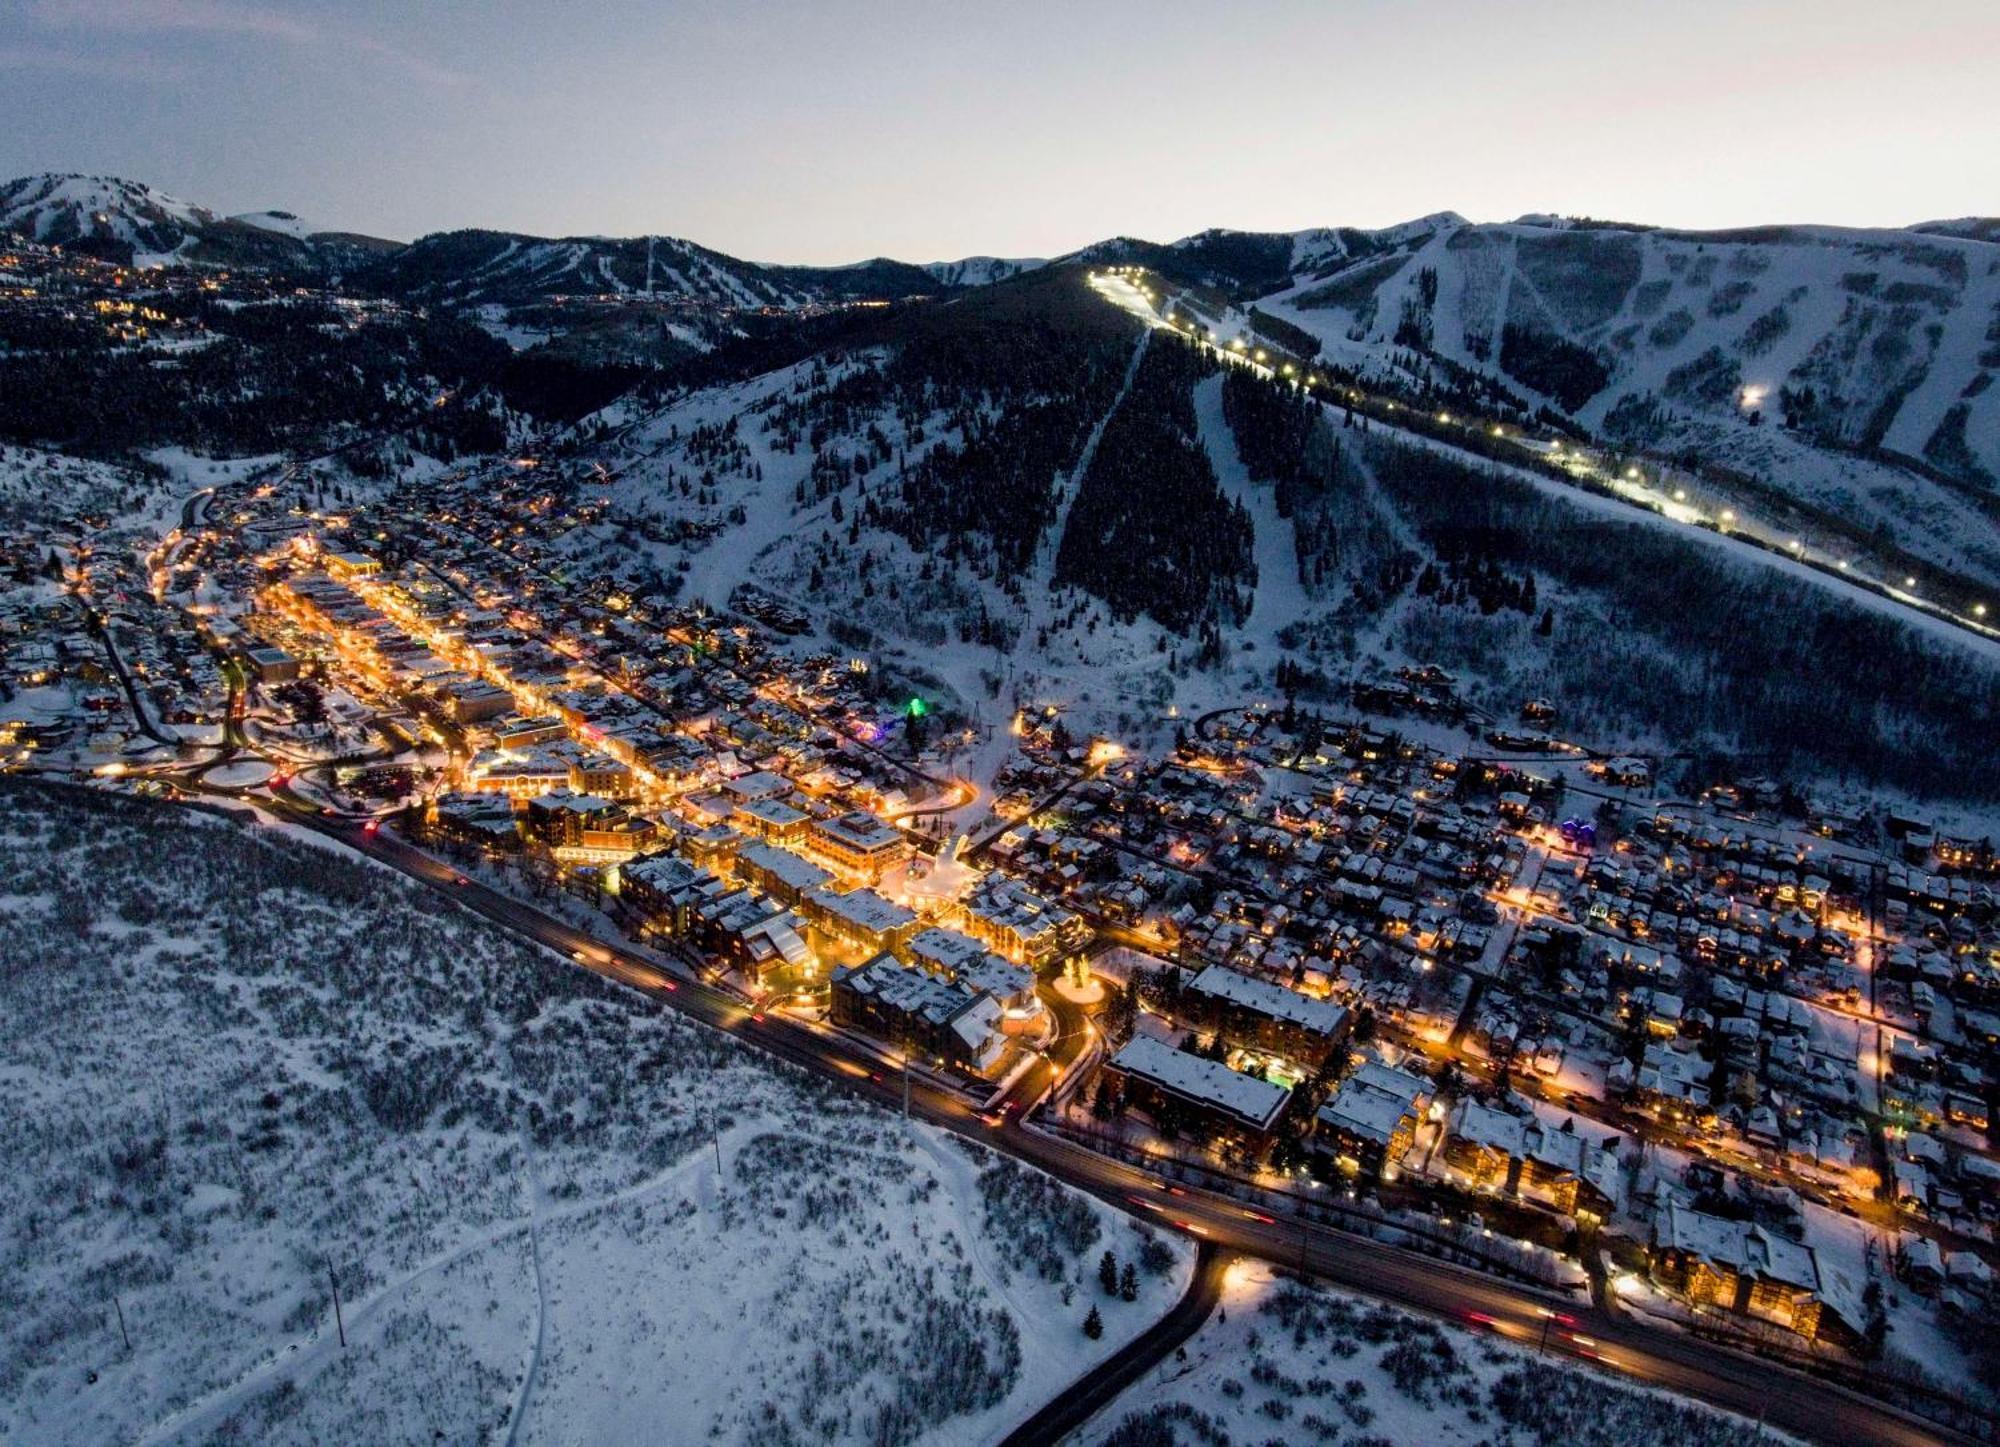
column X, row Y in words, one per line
column 1275, row 1001
column 1210, row 1083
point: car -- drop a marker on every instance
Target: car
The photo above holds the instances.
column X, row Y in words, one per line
column 373, row 826
column 460, row 879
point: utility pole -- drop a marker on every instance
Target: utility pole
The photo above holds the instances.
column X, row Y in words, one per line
column 906, row 1087
column 715, row 1139
column 339, row 1323
column 121, row 1322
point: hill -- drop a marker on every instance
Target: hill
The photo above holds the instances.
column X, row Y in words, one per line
column 553, row 1211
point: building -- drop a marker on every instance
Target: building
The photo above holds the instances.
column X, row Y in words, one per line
column 1262, row 1016
column 860, row 921
column 785, row 876
column 472, row 700
column 347, row 566
column 1372, row 1117
column 858, row 845
column 738, row 927
column 960, row 957
column 1016, row 922
column 772, row 820
column 1737, row 1266
column 930, row 1017
column 478, row 819
column 659, row 891
column 271, row 665
column 1519, row 1155
column 1153, row 1074
column 583, row 826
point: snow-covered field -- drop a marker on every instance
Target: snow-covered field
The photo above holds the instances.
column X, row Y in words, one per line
column 1280, row 1362
column 235, row 1065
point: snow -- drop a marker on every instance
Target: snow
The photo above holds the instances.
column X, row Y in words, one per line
column 1282, row 1362
column 556, row 1212
column 282, row 222
column 1280, row 599
column 1837, row 290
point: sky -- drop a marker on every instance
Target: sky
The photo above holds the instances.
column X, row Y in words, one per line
column 828, row 131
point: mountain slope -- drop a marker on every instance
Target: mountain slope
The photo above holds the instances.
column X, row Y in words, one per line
column 480, row 268
column 128, row 222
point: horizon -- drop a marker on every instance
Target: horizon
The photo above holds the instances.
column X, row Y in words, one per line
column 867, row 132
column 1123, row 234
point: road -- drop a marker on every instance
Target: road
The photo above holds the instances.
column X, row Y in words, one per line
column 1099, row 1387
column 1806, row 1406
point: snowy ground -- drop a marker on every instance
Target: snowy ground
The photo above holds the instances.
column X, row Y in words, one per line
column 233, row 1063
column 1284, row 1363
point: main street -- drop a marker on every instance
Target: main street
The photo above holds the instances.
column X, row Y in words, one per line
column 1791, row 1401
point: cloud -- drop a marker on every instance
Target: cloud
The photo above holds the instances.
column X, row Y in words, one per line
column 98, row 67
column 225, row 18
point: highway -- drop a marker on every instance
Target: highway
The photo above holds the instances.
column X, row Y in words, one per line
column 1808, row 1407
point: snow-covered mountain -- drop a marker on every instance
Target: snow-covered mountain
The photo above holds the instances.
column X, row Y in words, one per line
column 1865, row 342
column 1850, row 369
column 983, row 270
column 126, row 221
column 481, row 268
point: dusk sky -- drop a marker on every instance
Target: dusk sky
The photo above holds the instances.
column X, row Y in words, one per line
column 827, row 132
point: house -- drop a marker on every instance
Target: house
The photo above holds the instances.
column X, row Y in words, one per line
column 1154, row 1075
column 1371, row 1118
column 1738, row 1266
column 1517, row 1154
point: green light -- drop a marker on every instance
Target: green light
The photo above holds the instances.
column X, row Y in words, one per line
column 916, row 708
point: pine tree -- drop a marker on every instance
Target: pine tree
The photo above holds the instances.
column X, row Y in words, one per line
column 1128, row 1283
column 1093, row 1325
column 1107, row 1274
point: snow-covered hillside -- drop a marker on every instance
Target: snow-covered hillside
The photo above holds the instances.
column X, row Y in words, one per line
column 239, row 1067
column 129, row 222
column 1801, row 355
column 472, row 268
column 1283, row 1362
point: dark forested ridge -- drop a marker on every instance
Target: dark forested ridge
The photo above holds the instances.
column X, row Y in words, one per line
column 1151, row 531
column 1664, row 635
